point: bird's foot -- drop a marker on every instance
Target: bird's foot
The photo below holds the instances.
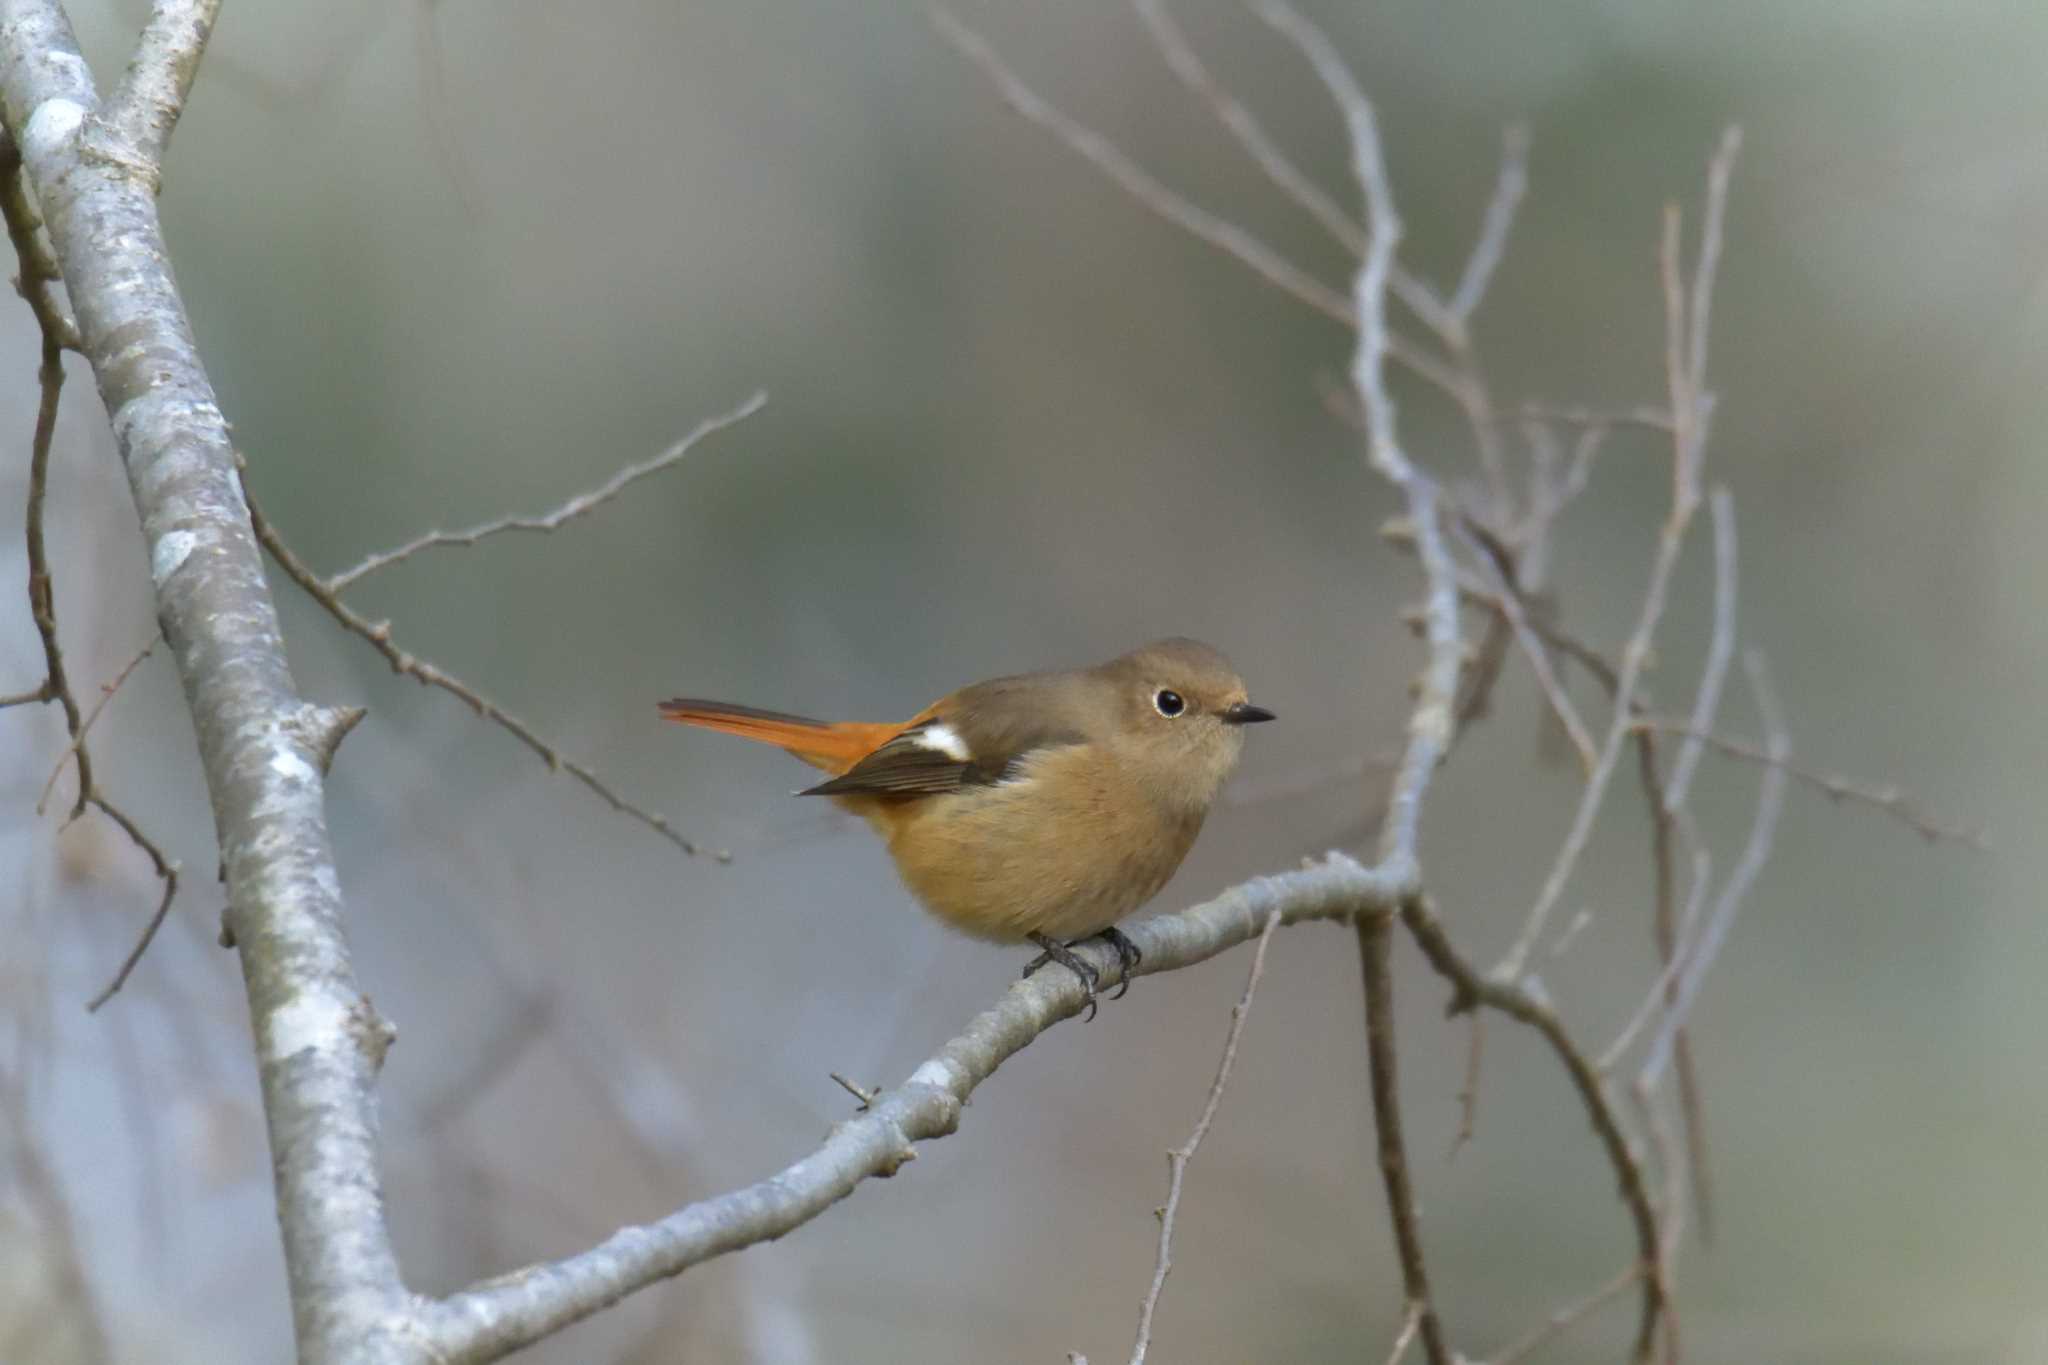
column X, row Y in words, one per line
column 1128, row 957
column 1056, row 951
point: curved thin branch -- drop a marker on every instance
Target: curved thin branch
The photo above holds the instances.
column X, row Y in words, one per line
column 581, row 505
column 378, row 633
column 1178, row 1158
column 1471, row 989
column 503, row 1314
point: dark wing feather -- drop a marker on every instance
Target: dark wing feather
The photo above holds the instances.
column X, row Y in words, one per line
column 997, row 738
column 906, row 767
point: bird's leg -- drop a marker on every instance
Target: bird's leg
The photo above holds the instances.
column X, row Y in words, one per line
column 1128, row 957
column 1056, row 951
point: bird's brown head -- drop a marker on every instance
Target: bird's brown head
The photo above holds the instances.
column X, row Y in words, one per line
column 1182, row 709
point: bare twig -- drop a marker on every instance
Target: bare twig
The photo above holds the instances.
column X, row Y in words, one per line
column 1663, row 835
column 1468, row 1092
column 1411, row 1322
column 1139, row 183
column 1471, row 989
column 1180, row 55
column 1720, row 651
column 1689, row 413
column 1887, row 797
column 167, row 873
column 107, row 691
column 863, row 1093
column 378, row 633
column 1662, row 989
column 1510, row 605
column 42, row 592
column 1227, row 237
column 1375, row 944
column 1177, row 1159
column 1764, row 825
column 580, row 505
column 1508, row 188
column 1539, row 1336
column 1578, row 415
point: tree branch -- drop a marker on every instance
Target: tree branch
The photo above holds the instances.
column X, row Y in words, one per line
column 496, row 1318
column 1375, row 943
column 151, row 95
column 1178, row 1158
column 580, row 505
column 284, row 899
column 378, row 633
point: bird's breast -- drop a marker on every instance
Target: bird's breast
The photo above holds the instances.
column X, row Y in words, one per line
column 1067, row 846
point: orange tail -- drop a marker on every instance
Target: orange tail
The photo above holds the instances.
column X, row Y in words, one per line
column 833, row 746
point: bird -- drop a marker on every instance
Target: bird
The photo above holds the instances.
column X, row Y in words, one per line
column 1042, row 807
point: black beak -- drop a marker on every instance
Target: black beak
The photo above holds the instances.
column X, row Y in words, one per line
column 1244, row 713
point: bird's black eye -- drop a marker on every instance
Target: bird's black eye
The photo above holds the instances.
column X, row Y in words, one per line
column 1168, row 702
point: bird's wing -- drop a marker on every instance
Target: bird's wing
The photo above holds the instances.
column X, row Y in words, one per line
column 957, row 743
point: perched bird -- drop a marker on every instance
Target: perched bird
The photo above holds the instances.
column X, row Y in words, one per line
column 1043, row 807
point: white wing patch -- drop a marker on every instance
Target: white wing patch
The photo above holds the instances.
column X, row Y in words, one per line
column 944, row 739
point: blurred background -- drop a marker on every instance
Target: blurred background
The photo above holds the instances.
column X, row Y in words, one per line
column 449, row 261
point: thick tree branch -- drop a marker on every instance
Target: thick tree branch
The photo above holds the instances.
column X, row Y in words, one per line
column 96, row 188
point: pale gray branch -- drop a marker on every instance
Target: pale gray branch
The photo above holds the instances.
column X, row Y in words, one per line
column 496, row 1318
column 146, row 105
column 284, row 902
column 1720, row 651
column 1770, row 795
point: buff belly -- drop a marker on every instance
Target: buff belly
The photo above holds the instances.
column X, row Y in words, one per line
column 1005, row 861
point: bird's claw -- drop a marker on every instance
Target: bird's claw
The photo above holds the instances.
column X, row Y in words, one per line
column 1128, row 957
column 1084, row 972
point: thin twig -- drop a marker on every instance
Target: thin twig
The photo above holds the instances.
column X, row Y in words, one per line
column 1471, row 989
column 1510, row 604
column 1663, row 835
column 1539, row 1336
column 1722, row 918
column 1579, row 415
column 1508, row 188
column 166, row 871
column 1099, row 152
column 1153, row 194
column 107, row 691
column 379, row 635
column 580, row 505
column 1661, row 989
column 1411, row 1323
column 42, row 592
column 1720, row 651
column 1662, row 1147
column 1177, row 1159
column 1887, row 798
column 1689, row 414
column 1186, row 65
column 1468, row 1093
column 1375, row 946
